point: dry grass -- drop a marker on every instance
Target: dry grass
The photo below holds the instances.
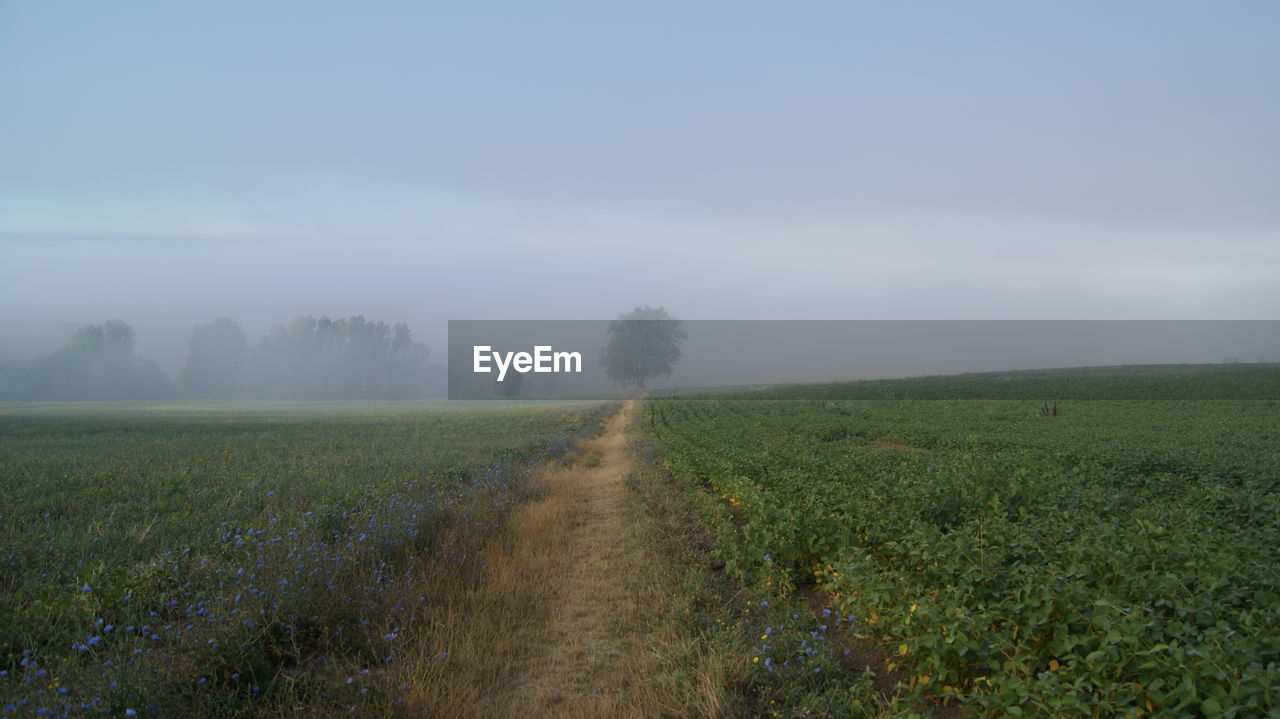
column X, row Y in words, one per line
column 568, row 612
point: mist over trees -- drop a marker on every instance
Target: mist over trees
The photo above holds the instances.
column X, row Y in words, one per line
column 97, row 364
column 216, row 359
column 309, row 358
column 338, row 359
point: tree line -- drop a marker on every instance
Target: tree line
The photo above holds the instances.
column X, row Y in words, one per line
column 308, row 358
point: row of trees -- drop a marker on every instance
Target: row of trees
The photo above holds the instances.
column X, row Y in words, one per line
column 309, row 358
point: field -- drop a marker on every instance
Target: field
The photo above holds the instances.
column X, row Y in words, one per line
column 1175, row 381
column 228, row 558
column 1120, row 558
column 798, row 551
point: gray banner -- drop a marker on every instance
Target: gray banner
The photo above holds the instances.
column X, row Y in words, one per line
column 600, row 359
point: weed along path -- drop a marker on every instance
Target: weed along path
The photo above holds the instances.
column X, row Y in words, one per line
column 561, row 620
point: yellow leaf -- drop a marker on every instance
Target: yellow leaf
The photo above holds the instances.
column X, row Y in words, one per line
column 913, row 608
column 1054, row 665
column 902, row 648
column 924, row 679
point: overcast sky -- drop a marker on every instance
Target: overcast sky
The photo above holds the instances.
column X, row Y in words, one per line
column 167, row 163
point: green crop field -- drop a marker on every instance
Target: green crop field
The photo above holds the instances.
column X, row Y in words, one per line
column 961, row 557
column 1120, row 558
column 1214, row 381
column 236, row 557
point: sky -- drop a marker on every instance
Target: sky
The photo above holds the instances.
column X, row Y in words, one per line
column 167, row 163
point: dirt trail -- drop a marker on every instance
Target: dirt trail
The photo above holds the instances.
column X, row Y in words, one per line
column 562, row 623
column 582, row 639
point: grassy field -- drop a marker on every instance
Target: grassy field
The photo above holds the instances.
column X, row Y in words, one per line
column 1119, row 559
column 829, row 552
column 238, row 558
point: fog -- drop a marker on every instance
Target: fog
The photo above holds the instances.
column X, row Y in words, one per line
column 745, row 161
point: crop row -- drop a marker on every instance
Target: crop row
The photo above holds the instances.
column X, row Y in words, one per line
column 1121, row 558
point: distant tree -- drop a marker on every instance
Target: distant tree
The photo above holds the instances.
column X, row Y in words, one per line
column 79, row 369
column 408, row 372
column 97, row 363
column 643, row 344
column 88, row 343
column 117, row 342
column 137, row 378
column 341, row 359
column 216, row 359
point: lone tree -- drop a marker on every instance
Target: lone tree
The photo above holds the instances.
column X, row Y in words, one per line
column 643, row 343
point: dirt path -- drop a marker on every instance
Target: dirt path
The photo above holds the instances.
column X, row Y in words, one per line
column 582, row 641
column 563, row 623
